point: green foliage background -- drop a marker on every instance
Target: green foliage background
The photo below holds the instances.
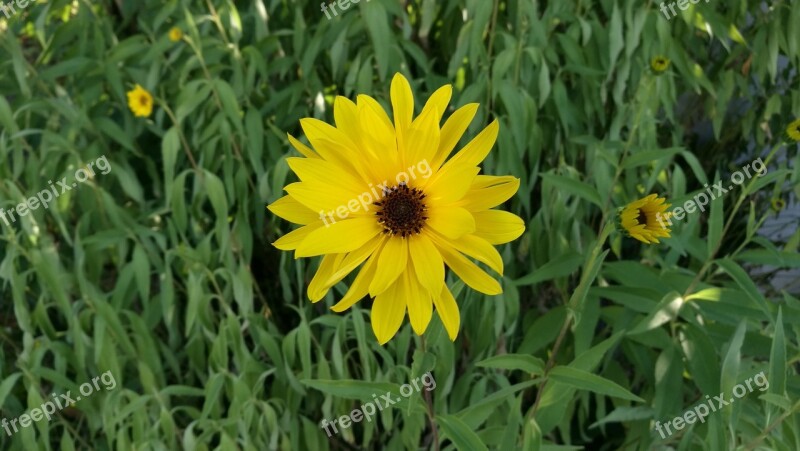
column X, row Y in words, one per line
column 162, row 271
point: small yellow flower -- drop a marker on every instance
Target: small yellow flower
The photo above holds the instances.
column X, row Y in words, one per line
column 140, row 101
column 175, row 34
column 645, row 219
column 659, row 64
column 793, row 130
column 778, row 204
column 402, row 231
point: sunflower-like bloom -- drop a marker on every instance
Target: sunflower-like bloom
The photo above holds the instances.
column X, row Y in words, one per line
column 793, row 130
column 175, row 34
column 140, row 101
column 383, row 195
column 659, row 64
column 645, row 220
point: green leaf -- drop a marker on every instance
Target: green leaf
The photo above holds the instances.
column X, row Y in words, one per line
column 574, row 187
column 561, row 266
column 527, row 363
column 462, row 436
column 584, row 380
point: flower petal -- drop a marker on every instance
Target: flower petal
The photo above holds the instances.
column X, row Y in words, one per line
column 422, row 139
column 420, row 308
column 319, row 285
column 388, row 312
column 428, row 263
column 402, row 103
column 476, row 248
column 293, row 211
column 439, row 101
column 452, row 130
column 451, row 183
column 488, row 192
column 391, row 263
column 355, row 258
column 340, row 237
column 470, row 273
column 452, row 222
column 477, row 149
column 360, row 286
column 497, row 226
column 302, row 148
column 293, row 239
column 447, row 309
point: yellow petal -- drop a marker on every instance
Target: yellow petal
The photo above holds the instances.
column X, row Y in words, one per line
column 497, row 226
column 477, row 149
column 340, row 237
column 302, row 148
column 477, row 248
column 488, row 192
column 447, row 309
column 470, row 273
column 428, row 263
column 452, row 130
column 452, row 222
column 319, row 170
column 420, row 308
column 293, row 211
column 450, row 184
column 360, row 286
column 438, row 101
column 355, row 258
column 319, row 285
column 293, row 239
column 325, row 199
column 388, row 312
column 402, row 102
column 422, row 139
column 391, row 263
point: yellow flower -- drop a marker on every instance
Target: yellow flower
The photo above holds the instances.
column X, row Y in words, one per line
column 175, row 34
column 793, row 130
column 645, row 219
column 140, row 101
column 383, row 195
column 659, row 64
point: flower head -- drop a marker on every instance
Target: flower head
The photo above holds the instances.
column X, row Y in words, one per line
column 659, row 64
column 175, row 34
column 644, row 219
column 382, row 194
column 140, row 101
column 793, row 130
column 777, row 204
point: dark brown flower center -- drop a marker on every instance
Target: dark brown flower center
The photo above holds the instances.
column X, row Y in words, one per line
column 402, row 210
column 642, row 218
column 143, row 100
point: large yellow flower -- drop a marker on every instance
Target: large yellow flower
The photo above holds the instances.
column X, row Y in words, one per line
column 383, row 195
column 645, row 219
column 140, row 101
